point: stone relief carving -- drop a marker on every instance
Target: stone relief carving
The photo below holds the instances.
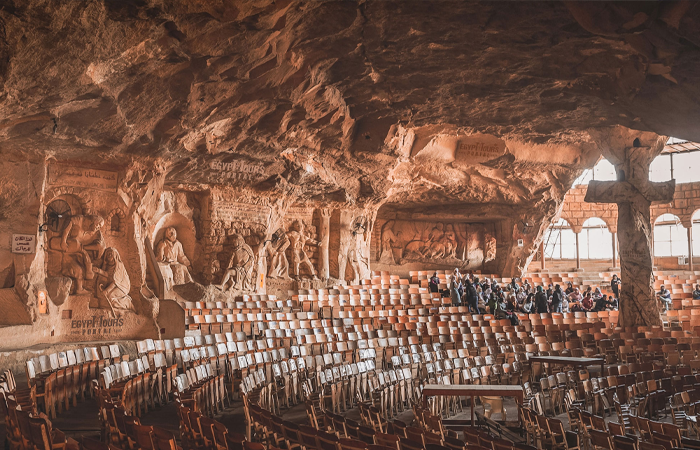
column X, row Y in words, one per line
column 240, row 266
column 276, row 255
column 80, row 244
column 113, row 284
column 353, row 250
column 463, row 244
column 174, row 264
column 298, row 241
column 386, row 255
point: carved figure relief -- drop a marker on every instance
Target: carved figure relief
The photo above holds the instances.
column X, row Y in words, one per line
column 240, row 267
column 275, row 251
column 353, row 251
column 79, row 244
column 463, row 244
column 386, row 255
column 298, row 240
column 174, row 264
column 113, row 284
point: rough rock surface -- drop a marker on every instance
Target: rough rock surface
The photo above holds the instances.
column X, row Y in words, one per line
column 440, row 112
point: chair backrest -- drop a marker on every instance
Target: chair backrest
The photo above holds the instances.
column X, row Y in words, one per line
column 39, row 433
column 601, row 439
column 624, row 443
column 163, row 439
column 142, row 435
column 352, row 444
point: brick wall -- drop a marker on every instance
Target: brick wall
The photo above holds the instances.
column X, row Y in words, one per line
column 686, row 201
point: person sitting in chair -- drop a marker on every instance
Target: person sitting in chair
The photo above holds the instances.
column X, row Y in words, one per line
column 665, row 296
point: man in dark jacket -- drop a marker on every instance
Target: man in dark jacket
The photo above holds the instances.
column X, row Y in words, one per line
column 541, row 300
column 472, row 298
column 557, row 299
column 434, row 283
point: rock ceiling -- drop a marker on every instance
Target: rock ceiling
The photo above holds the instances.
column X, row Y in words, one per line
column 346, row 102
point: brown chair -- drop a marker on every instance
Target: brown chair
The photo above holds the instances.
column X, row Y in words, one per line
column 163, row 439
column 409, row 444
column 352, row 444
column 327, row 441
column 600, row 440
column 387, row 440
column 307, row 436
column 643, row 445
column 366, row 434
column 291, row 435
column 220, row 433
column 624, row 443
column 454, row 443
column 561, row 439
column 378, row 447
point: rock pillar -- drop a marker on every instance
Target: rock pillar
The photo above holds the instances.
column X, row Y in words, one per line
column 324, row 244
column 634, row 194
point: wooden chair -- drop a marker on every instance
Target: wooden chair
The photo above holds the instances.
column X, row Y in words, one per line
column 600, row 440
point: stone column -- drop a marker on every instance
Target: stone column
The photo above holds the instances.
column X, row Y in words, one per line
column 614, row 250
column 690, row 247
column 324, row 244
column 578, row 253
column 634, row 194
column 542, row 254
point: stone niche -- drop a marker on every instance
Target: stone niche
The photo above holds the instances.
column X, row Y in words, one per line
column 86, row 272
column 400, row 244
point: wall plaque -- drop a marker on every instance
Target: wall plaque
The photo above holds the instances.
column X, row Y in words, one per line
column 23, row 243
column 230, row 212
column 478, row 148
column 299, row 212
column 66, row 175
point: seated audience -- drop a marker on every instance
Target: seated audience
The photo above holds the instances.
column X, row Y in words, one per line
column 696, row 292
column 601, row 303
column 569, row 288
column 529, row 305
column 587, row 303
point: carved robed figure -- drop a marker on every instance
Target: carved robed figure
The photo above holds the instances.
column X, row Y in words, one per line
column 113, row 284
column 169, row 253
column 298, row 240
column 240, row 266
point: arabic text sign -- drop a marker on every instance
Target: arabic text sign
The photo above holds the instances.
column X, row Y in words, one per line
column 65, row 175
column 23, row 243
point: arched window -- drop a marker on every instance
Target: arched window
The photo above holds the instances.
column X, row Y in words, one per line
column 595, row 240
column 560, row 241
column 670, row 237
column 696, row 233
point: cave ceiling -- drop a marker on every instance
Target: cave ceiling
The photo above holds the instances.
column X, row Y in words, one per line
column 346, row 102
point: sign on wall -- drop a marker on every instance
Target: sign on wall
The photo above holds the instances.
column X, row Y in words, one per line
column 69, row 175
column 23, row 243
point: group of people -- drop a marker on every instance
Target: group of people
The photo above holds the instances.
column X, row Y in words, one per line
column 487, row 296
column 665, row 296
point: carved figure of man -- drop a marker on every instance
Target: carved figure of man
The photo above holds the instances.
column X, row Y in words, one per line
column 240, row 266
column 450, row 242
column 298, row 241
column 169, row 251
column 113, row 282
column 81, row 242
column 277, row 256
column 388, row 238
